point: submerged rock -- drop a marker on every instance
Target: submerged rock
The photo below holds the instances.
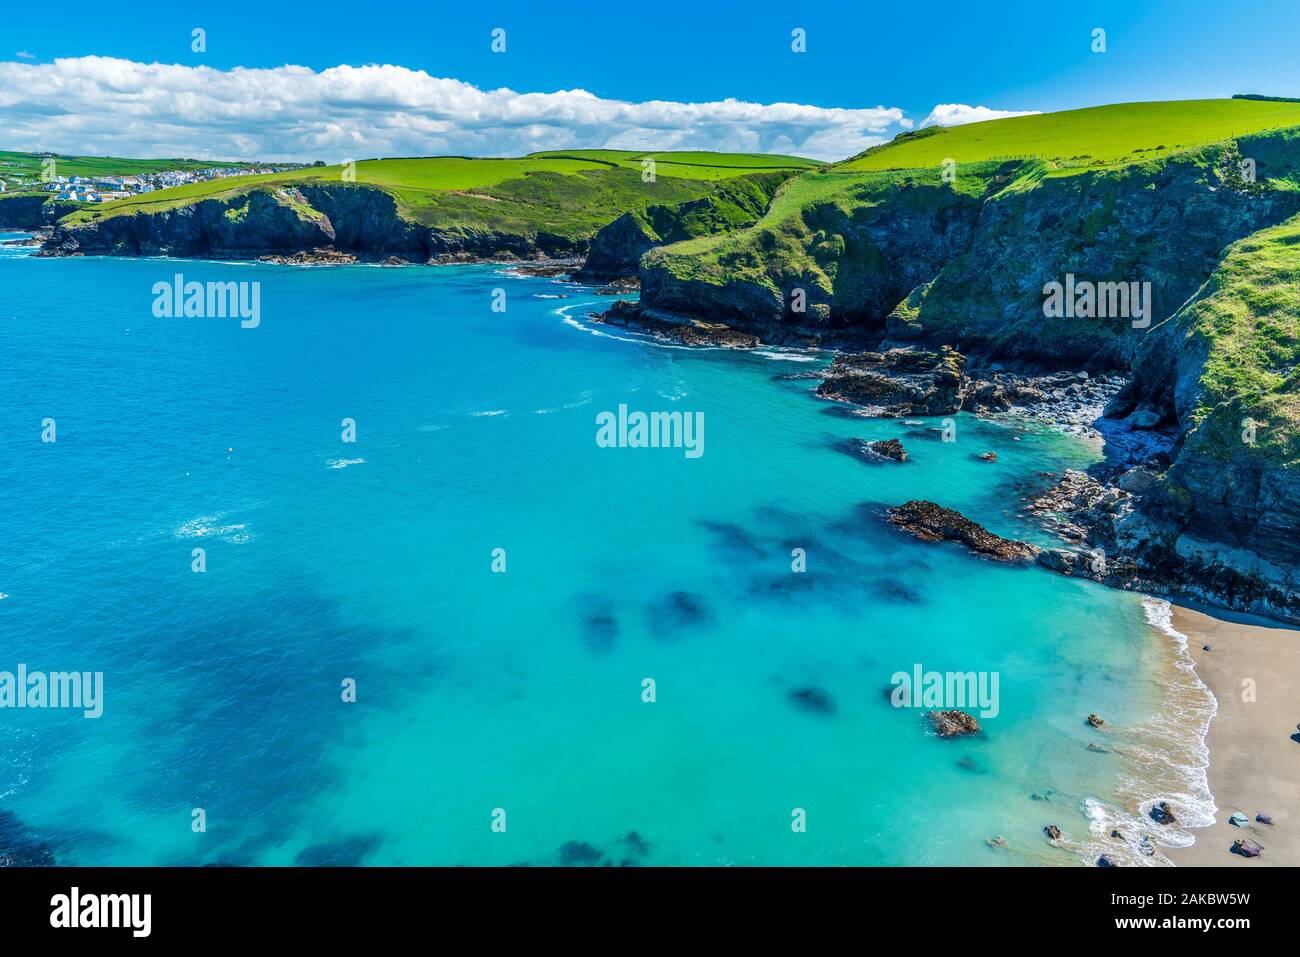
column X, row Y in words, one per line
column 579, row 854
column 814, row 700
column 931, row 523
column 19, row 847
column 953, row 723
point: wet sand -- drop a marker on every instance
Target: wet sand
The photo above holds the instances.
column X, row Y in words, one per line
column 1254, row 745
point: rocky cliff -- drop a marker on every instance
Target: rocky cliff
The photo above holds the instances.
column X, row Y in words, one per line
column 28, row 211
column 360, row 220
column 923, row 261
column 616, row 250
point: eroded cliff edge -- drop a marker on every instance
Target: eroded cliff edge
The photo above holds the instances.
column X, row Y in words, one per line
column 928, row 261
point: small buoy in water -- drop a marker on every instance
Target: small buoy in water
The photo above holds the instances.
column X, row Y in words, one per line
column 228, row 451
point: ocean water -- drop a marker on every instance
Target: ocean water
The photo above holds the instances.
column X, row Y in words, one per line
column 520, row 691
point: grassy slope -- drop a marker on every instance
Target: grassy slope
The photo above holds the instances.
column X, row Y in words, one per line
column 1248, row 320
column 1072, row 139
column 783, row 243
column 567, row 193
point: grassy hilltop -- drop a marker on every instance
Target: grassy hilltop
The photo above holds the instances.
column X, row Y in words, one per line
column 570, row 193
column 1076, row 139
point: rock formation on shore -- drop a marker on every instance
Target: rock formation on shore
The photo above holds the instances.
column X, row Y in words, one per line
column 930, row 522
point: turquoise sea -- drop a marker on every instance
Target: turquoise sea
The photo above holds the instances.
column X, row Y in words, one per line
column 522, row 690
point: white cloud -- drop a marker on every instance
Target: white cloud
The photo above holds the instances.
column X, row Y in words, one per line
column 102, row 105
column 957, row 114
column 23, row 54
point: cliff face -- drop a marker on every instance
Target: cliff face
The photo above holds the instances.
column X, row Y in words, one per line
column 1165, row 224
column 1226, row 370
column 360, row 220
column 834, row 254
column 915, row 258
column 253, row 224
column 616, row 250
column 30, row 212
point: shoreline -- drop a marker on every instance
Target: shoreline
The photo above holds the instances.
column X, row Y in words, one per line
column 1254, row 754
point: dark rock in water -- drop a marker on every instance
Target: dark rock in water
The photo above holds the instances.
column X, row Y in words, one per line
column 735, row 537
column 885, row 450
column 952, row 724
column 19, row 847
column 579, row 854
column 636, row 843
column 1053, row 832
column 813, row 700
column 1117, row 834
column 1246, row 848
column 1205, row 647
column 1263, row 819
column 1096, row 721
column 602, row 629
column 689, row 332
column 932, row 523
column 1093, row 746
column 900, row 382
column 998, row 841
column 1163, row 814
column 987, row 456
column 1105, row 861
column 969, row 764
column 347, row 853
column 679, row 609
column 897, row 591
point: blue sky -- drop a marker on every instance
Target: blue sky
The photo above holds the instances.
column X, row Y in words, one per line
column 910, row 57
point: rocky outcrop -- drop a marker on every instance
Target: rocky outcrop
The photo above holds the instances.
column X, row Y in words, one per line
column 616, row 249
column 826, row 271
column 691, row 332
column 31, row 212
column 953, row 724
column 257, row 223
column 884, row 450
column 900, row 382
column 932, row 523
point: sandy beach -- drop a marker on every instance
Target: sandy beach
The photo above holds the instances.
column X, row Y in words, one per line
column 1254, row 758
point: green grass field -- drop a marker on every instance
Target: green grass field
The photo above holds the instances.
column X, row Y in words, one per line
column 1074, row 139
column 581, row 186
column 28, row 166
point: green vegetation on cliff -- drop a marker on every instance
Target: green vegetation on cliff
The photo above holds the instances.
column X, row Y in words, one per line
column 1245, row 322
column 1075, row 139
column 567, row 194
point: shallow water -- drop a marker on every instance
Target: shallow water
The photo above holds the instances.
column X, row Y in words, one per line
column 520, row 691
